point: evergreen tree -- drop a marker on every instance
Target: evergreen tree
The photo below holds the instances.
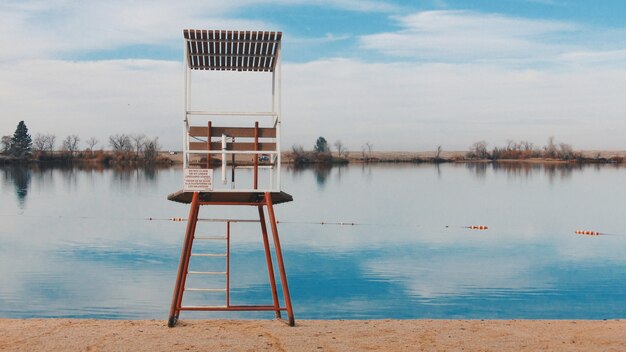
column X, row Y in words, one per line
column 321, row 145
column 21, row 143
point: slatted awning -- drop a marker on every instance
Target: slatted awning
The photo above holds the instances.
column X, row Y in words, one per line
column 232, row 50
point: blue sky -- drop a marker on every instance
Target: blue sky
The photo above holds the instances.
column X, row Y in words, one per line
column 403, row 75
column 335, row 35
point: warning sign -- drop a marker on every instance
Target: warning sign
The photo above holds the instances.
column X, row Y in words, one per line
column 198, row 180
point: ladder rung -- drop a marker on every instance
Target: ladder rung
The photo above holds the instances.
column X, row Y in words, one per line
column 207, row 273
column 208, row 254
column 206, row 289
column 209, row 238
column 202, row 307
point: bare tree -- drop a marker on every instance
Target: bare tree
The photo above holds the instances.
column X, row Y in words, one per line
column 367, row 147
column 91, row 142
column 566, row 151
column 478, row 150
column 6, row 144
column 50, row 140
column 39, row 142
column 340, row 149
column 511, row 145
column 70, row 144
column 527, row 146
column 151, row 148
column 438, row 153
column 120, row 143
column 297, row 149
column 44, row 142
column 301, row 156
column 138, row 142
column 550, row 150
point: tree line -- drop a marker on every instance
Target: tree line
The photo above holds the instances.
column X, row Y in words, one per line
column 321, row 153
column 524, row 150
column 21, row 146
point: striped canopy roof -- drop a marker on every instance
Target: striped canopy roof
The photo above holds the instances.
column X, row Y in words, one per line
column 232, row 50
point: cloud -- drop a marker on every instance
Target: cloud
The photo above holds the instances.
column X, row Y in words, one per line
column 96, row 98
column 57, row 28
column 358, row 5
column 396, row 106
column 461, row 273
column 327, row 38
column 349, row 5
column 594, row 57
column 462, row 36
column 412, row 106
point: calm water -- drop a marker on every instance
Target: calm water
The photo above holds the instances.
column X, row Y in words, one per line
column 76, row 243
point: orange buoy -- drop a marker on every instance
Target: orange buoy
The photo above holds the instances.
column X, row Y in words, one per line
column 177, row 219
column 478, row 227
column 588, row 233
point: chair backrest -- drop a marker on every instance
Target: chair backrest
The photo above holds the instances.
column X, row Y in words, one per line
column 245, row 138
column 234, row 147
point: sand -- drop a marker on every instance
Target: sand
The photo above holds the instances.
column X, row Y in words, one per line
column 312, row 335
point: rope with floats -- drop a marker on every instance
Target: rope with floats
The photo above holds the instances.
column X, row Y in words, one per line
column 322, row 223
column 477, row 227
column 337, row 223
column 344, row 223
column 588, row 233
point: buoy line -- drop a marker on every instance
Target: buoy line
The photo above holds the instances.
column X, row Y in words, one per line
column 322, row 223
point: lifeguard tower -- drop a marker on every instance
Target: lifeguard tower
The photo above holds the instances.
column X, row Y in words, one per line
column 231, row 158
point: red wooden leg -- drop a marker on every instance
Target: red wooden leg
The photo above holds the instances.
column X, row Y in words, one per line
column 279, row 258
column 184, row 261
column 268, row 257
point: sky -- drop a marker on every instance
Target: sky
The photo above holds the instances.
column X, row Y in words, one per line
column 401, row 75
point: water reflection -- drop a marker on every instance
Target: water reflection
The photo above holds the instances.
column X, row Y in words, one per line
column 366, row 171
column 105, row 259
column 128, row 174
column 69, row 177
column 478, row 169
column 553, row 171
column 562, row 171
column 321, row 171
column 19, row 177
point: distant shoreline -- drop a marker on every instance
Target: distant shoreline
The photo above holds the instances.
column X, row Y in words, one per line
column 175, row 158
column 588, row 157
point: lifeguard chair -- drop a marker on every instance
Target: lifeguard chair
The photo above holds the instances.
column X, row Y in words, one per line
column 223, row 143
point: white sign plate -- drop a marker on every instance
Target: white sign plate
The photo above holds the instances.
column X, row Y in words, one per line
column 198, row 180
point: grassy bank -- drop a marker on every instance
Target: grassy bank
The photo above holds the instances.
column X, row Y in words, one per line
column 288, row 157
column 100, row 157
column 587, row 157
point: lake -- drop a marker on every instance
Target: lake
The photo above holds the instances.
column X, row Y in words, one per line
column 77, row 242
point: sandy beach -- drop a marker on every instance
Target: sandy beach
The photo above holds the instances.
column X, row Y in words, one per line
column 312, row 335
